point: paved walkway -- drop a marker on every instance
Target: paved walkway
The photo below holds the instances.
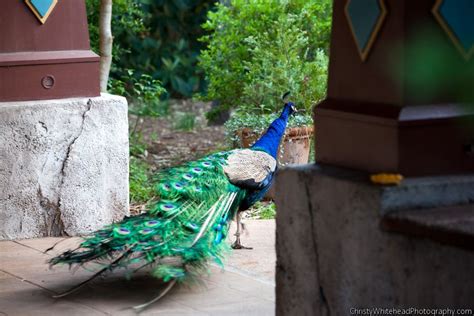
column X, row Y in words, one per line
column 244, row 287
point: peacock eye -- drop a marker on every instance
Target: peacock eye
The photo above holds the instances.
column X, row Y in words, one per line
column 192, row 226
column 188, row 176
column 122, row 230
column 196, row 170
column 146, row 231
column 167, row 206
column 198, row 189
column 178, row 185
column 152, row 223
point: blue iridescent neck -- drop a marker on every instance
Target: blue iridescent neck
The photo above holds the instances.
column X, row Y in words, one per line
column 270, row 141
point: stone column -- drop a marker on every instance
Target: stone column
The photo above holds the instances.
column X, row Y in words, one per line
column 63, row 166
column 332, row 254
column 344, row 243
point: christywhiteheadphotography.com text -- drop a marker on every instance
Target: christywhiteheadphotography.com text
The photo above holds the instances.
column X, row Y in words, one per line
column 411, row 311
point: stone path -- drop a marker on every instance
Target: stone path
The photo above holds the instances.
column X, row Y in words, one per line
column 244, row 287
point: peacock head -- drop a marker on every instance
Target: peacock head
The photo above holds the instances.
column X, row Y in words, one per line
column 271, row 139
column 288, row 110
column 290, row 107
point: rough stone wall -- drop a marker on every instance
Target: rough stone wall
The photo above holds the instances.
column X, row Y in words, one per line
column 63, row 166
column 332, row 255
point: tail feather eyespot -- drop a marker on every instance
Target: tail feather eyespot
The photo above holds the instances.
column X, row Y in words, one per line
column 152, row 223
column 123, row 231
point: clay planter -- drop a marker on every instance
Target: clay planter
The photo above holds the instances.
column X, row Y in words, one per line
column 294, row 148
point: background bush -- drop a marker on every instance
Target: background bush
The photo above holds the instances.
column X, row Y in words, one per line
column 158, row 38
column 257, row 51
column 169, row 51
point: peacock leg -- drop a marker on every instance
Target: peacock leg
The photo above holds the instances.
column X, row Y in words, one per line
column 240, row 227
column 140, row 308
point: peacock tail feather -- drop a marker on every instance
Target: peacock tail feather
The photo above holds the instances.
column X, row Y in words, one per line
column 181, row 230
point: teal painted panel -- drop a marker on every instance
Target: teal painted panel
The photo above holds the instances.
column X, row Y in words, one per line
column 459, row 16
column 42, row 6
column 364, row 15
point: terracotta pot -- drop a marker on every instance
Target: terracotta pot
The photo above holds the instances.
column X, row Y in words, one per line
column 294, row 148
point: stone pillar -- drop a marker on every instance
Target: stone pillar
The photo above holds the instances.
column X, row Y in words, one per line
column 45, row 52
column 332, row 254
column 343, row 242
column 374, row 117
column 63, row 166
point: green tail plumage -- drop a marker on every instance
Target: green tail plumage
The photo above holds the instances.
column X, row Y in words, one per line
column 179, row 233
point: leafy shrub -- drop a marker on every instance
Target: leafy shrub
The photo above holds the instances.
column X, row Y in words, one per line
column 143, row 94
column 168, row 48
column 158, row 38
column 142, row 90
column 127, row 21
column 259, row 50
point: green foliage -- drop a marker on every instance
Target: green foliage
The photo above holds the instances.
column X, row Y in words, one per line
column 137, row 144
column 263, row 210
column 168, row 49
column 141, row 189
column 142, row 90
column 185, row 121
column 127, row 20
column 143, row 94
column 258, row 51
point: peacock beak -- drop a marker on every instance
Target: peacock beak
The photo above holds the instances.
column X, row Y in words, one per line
column 294, row 109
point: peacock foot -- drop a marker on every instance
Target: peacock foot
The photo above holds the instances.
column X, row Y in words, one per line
column 238, row 245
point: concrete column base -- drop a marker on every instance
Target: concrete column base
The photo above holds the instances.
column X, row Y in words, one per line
column 332, row 255
column 63, row 166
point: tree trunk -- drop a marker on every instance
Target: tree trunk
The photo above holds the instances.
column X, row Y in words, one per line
column 106, row 40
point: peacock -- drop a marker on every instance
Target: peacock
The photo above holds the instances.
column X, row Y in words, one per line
column 184, row 228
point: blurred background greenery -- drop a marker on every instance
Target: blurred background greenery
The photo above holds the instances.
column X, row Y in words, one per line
column 158, row 38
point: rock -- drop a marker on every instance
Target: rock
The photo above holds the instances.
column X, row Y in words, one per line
column 63, row 166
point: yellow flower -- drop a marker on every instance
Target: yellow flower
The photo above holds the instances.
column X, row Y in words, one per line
column 386, row 178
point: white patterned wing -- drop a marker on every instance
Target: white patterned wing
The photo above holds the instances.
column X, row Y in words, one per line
column 247, row 167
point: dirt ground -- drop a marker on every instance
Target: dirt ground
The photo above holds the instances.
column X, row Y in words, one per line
column 169, row 146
